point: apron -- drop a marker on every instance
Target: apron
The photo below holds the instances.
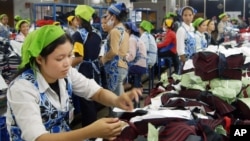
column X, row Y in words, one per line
column 55, row 121
column 189, row 44
column 111, row 67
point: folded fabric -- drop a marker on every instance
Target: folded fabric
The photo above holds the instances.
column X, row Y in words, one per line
column 226, row 84
column 243, row 108
column 230, row 66
column 192, row 81
column 206, row 65
column 228, row 95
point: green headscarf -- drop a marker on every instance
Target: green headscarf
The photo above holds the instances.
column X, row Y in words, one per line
column 17, row 18
column 222, row 15
column 147, row 25
column 2, row 15
column 85, row 12
column 18, row 25
column 170, row 14
column 37, row 40
column 197, row 22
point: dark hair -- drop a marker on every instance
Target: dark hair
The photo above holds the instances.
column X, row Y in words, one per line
column 47, row 51
column 200, row 24
column 132, row 31
column 85, row 24
column 21, row 25
column 187, row 8
column 122, row 16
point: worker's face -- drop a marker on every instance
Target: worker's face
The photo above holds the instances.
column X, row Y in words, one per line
column 110, row 20
column 104, row 23
column 203, row 27
column 24, row 28
column 75, row 23
column 5, row 20
column 225, row 18
column 187, row 16
column 211, row 26
column 58, row 63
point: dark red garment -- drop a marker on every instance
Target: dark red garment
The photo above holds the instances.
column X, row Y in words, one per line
column 206, row 65
column 222, row 108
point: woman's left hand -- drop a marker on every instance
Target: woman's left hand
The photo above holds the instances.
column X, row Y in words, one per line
column 125, row 101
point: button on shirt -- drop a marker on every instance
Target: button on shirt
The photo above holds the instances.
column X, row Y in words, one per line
column 24, row 100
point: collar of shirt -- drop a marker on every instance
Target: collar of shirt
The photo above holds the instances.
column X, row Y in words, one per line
column 189, row 28
column 43, row 84
column 200, row 34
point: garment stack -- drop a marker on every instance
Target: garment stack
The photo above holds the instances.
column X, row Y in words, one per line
column 200, row 104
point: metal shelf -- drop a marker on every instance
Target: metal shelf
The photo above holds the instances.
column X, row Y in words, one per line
column 51, row 10
column 140, row 14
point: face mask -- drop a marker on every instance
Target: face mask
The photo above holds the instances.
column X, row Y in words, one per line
column 91, row 21
column 110, row 23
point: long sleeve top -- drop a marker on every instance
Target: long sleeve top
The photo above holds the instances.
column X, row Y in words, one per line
column 151, row 46
column 169, row 38
column 24, row 97
column 181, row 36
column 117, row 47
column 201, row 41
column 137, row 47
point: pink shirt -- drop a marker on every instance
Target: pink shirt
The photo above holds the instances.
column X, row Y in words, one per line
column 134, row 45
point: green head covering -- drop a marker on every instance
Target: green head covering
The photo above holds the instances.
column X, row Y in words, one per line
column 18, row 25
column 37, row 40
column 84, row 11
column 17, row 18
column 147, row 25
column 2, row 15
column 170, row 14
column 198, row 21
column 234, row 19
column 222, row 15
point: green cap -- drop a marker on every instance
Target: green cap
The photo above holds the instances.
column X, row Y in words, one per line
column 17, row 18
column 37, row 40
column 234, row 19
column 197, row 22
column 222, row 15
column 85, row 12
column 2, row 15
column 18, row 25
column 147, row 25
column 170, row 14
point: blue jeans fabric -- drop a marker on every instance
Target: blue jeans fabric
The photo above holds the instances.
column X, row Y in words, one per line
column 122, row 75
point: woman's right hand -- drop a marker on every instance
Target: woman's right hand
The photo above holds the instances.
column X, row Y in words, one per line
column 107, row 128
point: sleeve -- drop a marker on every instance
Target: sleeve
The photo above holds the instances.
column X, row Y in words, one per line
column 78, row 48
column 198, row 42
column 81, row 85
column 145, row 40
column 114, row 39
column 23, row 98
column 180, row 41
column 78, row 44
column 168, row 39
column 220, row 28
column 132, row 49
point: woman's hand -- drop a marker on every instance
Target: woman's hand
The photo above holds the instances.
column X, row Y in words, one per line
column 125, row 101
column 107, row 128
